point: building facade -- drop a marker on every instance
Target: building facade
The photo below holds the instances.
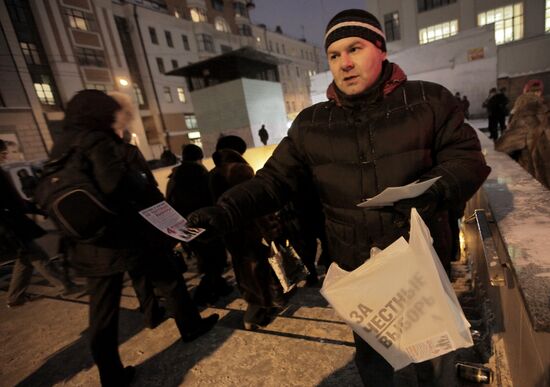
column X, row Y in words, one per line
column 519, row 50
column 50, row 49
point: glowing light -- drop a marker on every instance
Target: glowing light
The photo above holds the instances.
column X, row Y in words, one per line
column 123, row 82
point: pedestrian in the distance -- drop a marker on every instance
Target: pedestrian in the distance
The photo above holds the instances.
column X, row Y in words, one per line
column 17, row 240
column 264, row 135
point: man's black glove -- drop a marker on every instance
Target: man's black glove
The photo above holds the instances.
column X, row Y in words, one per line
column 213, row 219
column 426, row 205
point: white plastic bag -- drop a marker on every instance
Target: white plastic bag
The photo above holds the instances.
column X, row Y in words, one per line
column 400, row 301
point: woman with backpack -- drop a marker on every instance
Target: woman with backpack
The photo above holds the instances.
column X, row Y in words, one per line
column 91, row 120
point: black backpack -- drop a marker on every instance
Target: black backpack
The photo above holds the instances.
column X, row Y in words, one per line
column 70, row 196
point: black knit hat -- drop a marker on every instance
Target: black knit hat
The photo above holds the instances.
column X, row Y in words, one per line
column 191, row 152
column 355, row 22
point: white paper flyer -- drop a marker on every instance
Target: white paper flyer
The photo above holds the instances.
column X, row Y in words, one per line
column 170, row 222
column 393, row 194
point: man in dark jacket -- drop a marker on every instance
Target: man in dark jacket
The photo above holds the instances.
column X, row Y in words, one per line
column 377, row 130
column 126, row 243
column 188, row 190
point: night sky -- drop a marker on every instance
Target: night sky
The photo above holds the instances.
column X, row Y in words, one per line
column 292, row 14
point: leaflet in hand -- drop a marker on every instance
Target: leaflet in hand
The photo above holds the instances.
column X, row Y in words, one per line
column 393, row 194
column 170, row 222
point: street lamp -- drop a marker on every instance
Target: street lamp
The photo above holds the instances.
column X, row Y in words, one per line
column 123, row 82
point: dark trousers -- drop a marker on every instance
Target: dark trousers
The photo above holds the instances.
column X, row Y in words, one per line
column 105, row 295
column 375, row 371
column 493, row 127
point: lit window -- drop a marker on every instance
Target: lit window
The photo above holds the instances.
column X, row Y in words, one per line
column 139, row 95
column 437, row 32
column 30, row 52
column 508, row 21
column 190, row 121
column 547, row 16
column 44, row 93
column 198, row 15
column 221, row 25
column 181, row 95
column 78, row 19
column 167, row 94
column 96, row 86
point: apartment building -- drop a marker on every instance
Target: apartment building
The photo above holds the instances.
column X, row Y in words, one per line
column 457, row 30
column 50, row 49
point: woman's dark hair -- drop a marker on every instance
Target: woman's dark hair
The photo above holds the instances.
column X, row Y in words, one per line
column 90, row 110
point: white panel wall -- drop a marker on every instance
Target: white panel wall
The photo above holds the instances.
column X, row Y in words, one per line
column 528, row 56
column 265, row 105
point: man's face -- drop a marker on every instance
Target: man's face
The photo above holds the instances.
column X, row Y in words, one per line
column 355, row 64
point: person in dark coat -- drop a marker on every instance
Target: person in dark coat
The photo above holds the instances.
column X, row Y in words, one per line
column 264, row 135
column 466, row 107
column 17, row 240
column 377, row 130
column 255, row 278
column 528, row 134
column 497, row 109
column 188, row 190
column 90, row 120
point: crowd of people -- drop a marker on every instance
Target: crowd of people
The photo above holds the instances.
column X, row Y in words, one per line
column 376, row 130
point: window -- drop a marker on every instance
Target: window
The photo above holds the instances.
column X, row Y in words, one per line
column 185, row 42
column 181, row 95
column 297, row 71
column 139, row 95
column 426, row 5
column 168, row 36
column 160, row 64
column 391, row 26
column 245, row 30
column 508, row 22
column 547, row 17
column 167, row 94
column 78, row 19
column 221, row 25
column 153, row 35
column 217, row 5
column 30, row 52
column 44, row 93
column 198, row 15
column 90, row 57
column 190, row 121
column 240, row 9
column 283, row 46
column 205, row 43
column 96, row 86
column 174, row 64
column 437, row 32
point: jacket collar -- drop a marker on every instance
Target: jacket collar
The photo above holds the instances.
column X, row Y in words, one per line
column 392, row 76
